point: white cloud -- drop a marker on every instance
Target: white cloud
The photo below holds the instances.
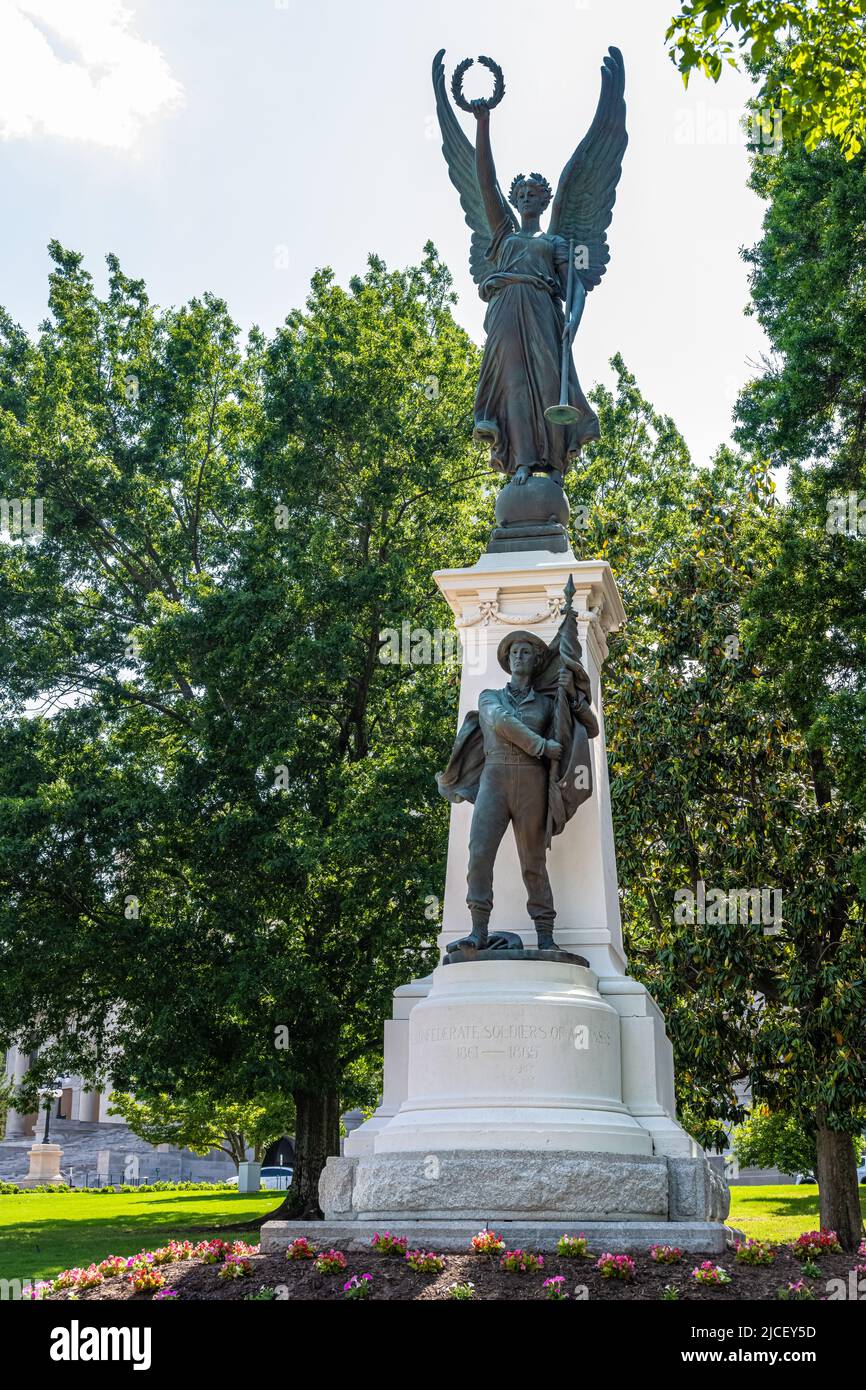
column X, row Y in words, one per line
column 77, row 69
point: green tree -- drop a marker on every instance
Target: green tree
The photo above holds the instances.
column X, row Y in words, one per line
column 767, row 992
column 768, row 1139
column 207, row 1122
column 809, row 56
column 221, row 830
column 773, row 1140
column 807, row 410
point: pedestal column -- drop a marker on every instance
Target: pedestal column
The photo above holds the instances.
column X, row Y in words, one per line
column 525, row 590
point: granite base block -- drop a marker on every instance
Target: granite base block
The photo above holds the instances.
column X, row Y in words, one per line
column 504, row 1185
column 453, row 1237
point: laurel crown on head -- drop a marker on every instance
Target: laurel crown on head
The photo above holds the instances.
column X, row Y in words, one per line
column 529, row 178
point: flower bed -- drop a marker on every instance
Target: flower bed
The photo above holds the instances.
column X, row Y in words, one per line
column 217, row 1269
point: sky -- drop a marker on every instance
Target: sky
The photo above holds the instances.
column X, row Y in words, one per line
column 238, row 145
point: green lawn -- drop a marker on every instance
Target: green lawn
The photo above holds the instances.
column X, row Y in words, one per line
column 778, row 1213
column 43, row 1234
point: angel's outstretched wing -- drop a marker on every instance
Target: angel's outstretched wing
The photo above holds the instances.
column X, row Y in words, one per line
column 584, row 200
column 460, row 158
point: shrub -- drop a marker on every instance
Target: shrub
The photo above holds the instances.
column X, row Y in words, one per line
column 425, row 1261
column 754, row 1252
column 386, row 1244
column 488, row 1243
column 11, row 1189
column 211, row 1252
column 708, row 1273
column 615, row 1266
column 797, row 1292
column 146, row 1280
column 330, row 1262
column 301, row 1249
column 573, row 1247
column 555, row 1288
column 812, row 1243
column 521, row 1262
column 665, row 1254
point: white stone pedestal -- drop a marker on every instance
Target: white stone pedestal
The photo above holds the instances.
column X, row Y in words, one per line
column 249, row 1178
column 514, row 1113
column 514, row 1055
column 526, row 590
column 44, row 1166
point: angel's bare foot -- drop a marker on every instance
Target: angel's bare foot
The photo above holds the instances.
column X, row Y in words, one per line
column 522, row 474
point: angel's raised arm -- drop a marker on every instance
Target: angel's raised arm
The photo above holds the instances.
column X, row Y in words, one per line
column 485, row 169
column 484, row 210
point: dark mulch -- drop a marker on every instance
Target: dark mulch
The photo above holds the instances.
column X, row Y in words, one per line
column 393, row 1279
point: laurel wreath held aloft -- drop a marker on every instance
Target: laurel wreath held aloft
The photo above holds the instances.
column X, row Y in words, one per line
column 488, row 102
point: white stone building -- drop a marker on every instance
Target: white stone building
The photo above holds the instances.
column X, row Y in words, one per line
column 98, row 1148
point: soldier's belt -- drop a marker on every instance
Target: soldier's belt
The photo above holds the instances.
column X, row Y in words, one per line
column 510, row 756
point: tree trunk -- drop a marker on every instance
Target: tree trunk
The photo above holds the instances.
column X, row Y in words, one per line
column 317, row 1136
column 837, row 1186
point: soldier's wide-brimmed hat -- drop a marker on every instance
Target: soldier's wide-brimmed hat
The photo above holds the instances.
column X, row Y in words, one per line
column 518, row 635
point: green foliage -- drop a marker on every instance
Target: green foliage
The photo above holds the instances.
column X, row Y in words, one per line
column 711, row 742
column 11, row 1189
column 767, row 1140
column 215, row 844
column 810, row 58
column 202, row 1123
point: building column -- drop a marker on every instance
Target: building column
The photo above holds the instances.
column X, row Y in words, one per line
column 17, row 1067
column 104, row 1117
column 88, row 1106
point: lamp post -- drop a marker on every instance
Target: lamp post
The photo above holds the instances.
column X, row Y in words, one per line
column 49, row 1094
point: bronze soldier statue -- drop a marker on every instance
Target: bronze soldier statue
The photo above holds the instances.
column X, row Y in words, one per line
column 523, row 758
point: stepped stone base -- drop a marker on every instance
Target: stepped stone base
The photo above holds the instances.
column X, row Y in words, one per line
column 44, row 1166
column 503, row 1185
column 698, row 1237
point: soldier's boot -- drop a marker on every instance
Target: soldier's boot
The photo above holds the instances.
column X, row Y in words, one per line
column 544, row 932
column 478, row 935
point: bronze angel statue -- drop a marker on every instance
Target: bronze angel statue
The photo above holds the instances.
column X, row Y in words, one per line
column 529, row 406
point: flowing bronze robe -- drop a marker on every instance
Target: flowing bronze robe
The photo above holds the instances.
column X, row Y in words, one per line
column 520, row 370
